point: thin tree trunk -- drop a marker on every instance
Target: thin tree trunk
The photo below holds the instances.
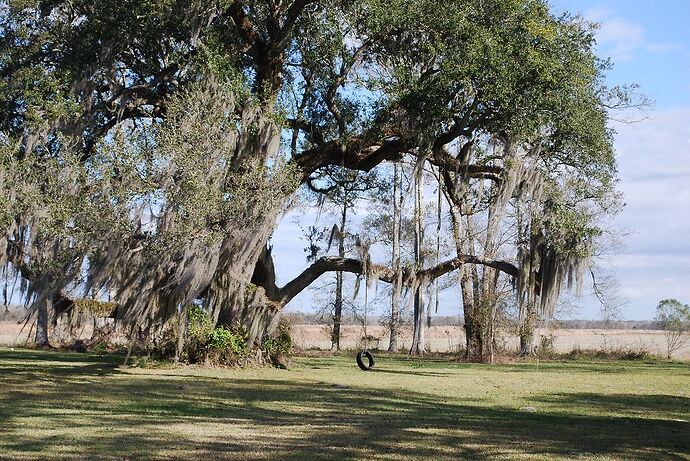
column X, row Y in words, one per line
column 338, row 306
column 395, row 262
column 181, row 333
column 418, row 337
column 527, row 331
column 418, row 332
column 438, row 255
column 528, row 314
column 41, row 338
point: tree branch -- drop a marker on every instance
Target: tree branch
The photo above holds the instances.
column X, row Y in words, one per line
column 356, row 156
column 243, row 23
column 336, row 264
column 448, row 163
column 293, row 13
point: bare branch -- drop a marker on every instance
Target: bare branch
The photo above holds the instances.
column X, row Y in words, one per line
column 336, row 264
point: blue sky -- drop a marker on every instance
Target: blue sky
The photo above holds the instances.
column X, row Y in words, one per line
column 648, row 42
column 649, row 45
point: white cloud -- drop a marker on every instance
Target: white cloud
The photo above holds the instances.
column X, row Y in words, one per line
column 660, row 48
column 654, row 166
column 622, row 39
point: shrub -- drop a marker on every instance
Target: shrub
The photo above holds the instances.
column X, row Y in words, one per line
column 609, row 354
column 199, row 329
column 94, row 307
column 226, row 346
column 279, row 346
column 546, row 347
column 217, row 346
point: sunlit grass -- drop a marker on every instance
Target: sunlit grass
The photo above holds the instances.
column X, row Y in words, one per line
column 74, row 406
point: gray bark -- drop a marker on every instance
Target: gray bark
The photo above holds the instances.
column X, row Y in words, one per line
column 338, row 305
column 418, row 325
column 395, row 261
column 41, row 338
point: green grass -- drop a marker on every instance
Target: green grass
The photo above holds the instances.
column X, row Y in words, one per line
column 74, row 406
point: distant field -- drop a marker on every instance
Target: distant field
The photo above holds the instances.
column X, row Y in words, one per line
column 66, row 406
column 449, row 339
column 444, row 338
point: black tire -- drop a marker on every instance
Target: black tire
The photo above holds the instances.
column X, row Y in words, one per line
column 370, row 360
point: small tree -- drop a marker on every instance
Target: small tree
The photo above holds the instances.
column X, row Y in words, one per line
column 674, row 318
column 340, row 189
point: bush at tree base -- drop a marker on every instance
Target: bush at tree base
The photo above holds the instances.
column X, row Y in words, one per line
column 220, row 345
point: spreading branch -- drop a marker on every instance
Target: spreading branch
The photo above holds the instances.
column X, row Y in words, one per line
column 282, row 296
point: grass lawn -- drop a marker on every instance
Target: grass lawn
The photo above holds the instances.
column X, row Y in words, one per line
column 74, row 406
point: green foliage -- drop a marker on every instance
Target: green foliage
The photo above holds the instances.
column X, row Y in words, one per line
column 200, row 324
column 227, row 346
column 218, row 180
column 623, row 353
column 671, row 314
column 673, row 317
column 221, row 345
column 199, row 328
column 280, row 343
column 216, row 346
column 95, row 307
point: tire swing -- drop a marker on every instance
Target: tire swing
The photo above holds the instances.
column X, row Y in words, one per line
column 369, row 357
column 365, row 354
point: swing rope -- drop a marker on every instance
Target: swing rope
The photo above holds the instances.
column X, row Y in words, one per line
column 365, row 354
column 366, row 306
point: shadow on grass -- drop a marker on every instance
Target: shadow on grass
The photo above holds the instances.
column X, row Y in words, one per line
column 28, row 354
column 408, row 372
column 34, row 364
column 671, row 406
column 530, row 365
column 602, row 366
column 148, row 416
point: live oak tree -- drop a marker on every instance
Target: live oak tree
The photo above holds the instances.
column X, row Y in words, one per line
column 162, row 140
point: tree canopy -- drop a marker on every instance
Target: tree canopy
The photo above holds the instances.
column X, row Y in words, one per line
column 149, row 148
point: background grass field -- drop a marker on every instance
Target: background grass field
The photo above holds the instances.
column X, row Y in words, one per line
column 73, row 406
column 443, row 338
column 452, row 338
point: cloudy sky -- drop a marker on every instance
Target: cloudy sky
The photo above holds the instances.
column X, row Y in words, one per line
column 649, row 45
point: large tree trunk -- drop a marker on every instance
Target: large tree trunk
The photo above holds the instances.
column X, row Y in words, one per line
column 232, row 299
column 476, row 310
column 466, row 285
column 469, row 287
column 473, row 336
